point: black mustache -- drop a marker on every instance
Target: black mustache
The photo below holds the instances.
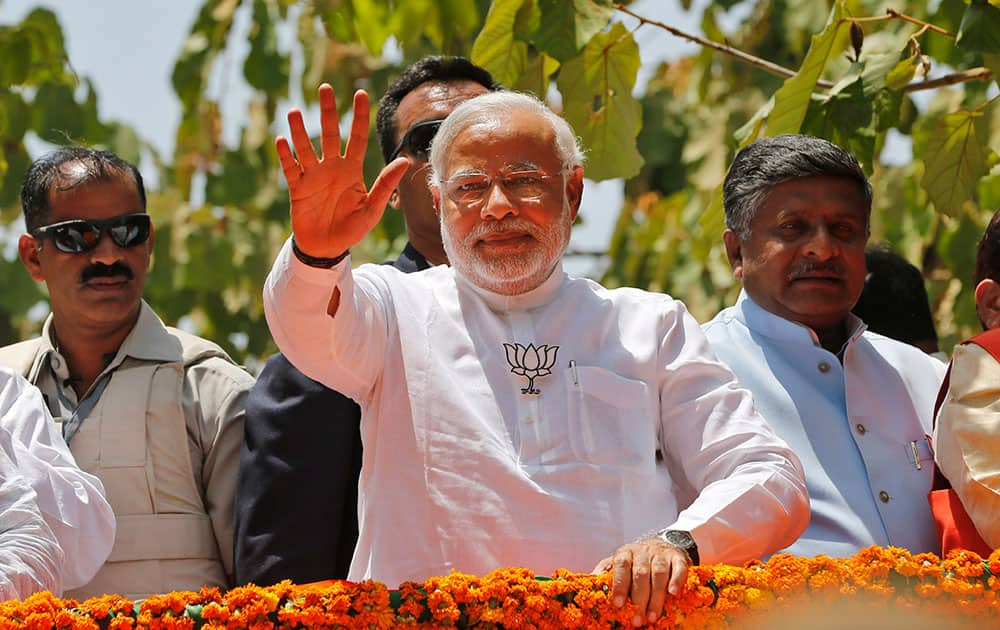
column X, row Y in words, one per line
column 100, row 270
column 828, row 267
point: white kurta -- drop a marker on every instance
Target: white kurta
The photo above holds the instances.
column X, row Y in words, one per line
column 29, row 554
column 463, row 469
column 71, row 501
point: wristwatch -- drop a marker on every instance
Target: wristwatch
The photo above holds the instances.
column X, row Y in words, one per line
column 681, row 540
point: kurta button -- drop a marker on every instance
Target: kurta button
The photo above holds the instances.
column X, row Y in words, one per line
column 56, row 363
column 883, row 496
column 861, row 428
column 824, row 367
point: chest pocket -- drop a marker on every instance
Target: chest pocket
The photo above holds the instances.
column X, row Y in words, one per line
column 611, row 418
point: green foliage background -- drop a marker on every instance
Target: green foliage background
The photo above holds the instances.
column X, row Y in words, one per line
column 846, row 70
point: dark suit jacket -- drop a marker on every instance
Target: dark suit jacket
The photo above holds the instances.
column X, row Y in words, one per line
column 297, row 488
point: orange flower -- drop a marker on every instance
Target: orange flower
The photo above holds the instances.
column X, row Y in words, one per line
column 962, row 589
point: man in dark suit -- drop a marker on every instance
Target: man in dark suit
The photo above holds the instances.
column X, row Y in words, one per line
column 297, row 491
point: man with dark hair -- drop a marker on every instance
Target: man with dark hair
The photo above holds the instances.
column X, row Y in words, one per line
column 854, row 406
column 967, row 431
column 45, row 173
column 153, row 412
column 894, row 301
column 296, row 507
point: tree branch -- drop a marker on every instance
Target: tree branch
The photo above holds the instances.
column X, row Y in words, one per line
column 974, row 74
column 745, row 57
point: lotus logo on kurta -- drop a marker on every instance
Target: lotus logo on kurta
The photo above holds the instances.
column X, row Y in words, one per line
column 531, row 362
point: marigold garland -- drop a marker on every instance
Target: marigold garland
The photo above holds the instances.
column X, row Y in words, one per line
column 877, row 587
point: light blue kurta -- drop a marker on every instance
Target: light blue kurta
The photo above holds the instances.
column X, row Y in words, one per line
column 855, row 425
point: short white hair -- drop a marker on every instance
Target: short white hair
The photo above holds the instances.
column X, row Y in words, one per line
column 493, row 104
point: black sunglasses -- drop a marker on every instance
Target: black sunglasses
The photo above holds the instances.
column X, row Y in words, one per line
column 417, row 140
column 81, row 235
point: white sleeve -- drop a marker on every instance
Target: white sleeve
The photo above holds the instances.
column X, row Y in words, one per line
column 344, row 351
column 967, row 437
column 751, row 491
column 71, row 501
column 30, row 557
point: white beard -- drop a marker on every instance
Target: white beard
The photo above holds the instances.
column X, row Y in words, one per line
column 515, row 274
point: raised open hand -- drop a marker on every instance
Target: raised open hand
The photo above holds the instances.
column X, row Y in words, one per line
column 331, row 209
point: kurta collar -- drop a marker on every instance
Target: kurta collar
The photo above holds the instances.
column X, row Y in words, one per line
column 539, row 296
column 768, row 324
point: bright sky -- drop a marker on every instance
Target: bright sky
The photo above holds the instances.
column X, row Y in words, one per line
column 127, row 48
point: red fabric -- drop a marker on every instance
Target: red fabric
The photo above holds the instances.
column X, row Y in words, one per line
column 954, row 527
column 988, row 341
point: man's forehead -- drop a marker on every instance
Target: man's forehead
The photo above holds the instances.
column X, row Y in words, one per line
column 504, row 139
column 434, row 100
column 78, row 179
column 448, row 90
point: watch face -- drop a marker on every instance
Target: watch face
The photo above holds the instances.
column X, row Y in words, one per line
column 679, row 538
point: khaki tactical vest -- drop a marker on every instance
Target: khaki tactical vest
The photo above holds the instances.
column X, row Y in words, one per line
column 164, row 539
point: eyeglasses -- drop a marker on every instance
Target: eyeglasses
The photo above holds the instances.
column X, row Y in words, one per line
column 472, row 189
column 417, row 140
column 81, row 235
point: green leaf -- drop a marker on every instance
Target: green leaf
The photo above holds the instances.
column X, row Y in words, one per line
column 661, row 143
column 902, row 73
column 751, row 129
column 801, row 17
column 95, row 132
column 446, row 25
column 373, row 24
column 17, row 160
column 206, row 39
column 849, row 108
column 957, row 154
column 980, row 28
column 123, row 140
column 537, row 75
column 236, row 183
column 15, row 57
column 56, row 116
column 496, row 49
column 989, row 191
column 992, row 62
column 20, row 293
column 597, row 101
column 265, row 67
column 958, row 246
column 706, row 152
column 792, row 100
column 48, row 49
column 15, row 117
column 337, row 17
column 566, row 26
